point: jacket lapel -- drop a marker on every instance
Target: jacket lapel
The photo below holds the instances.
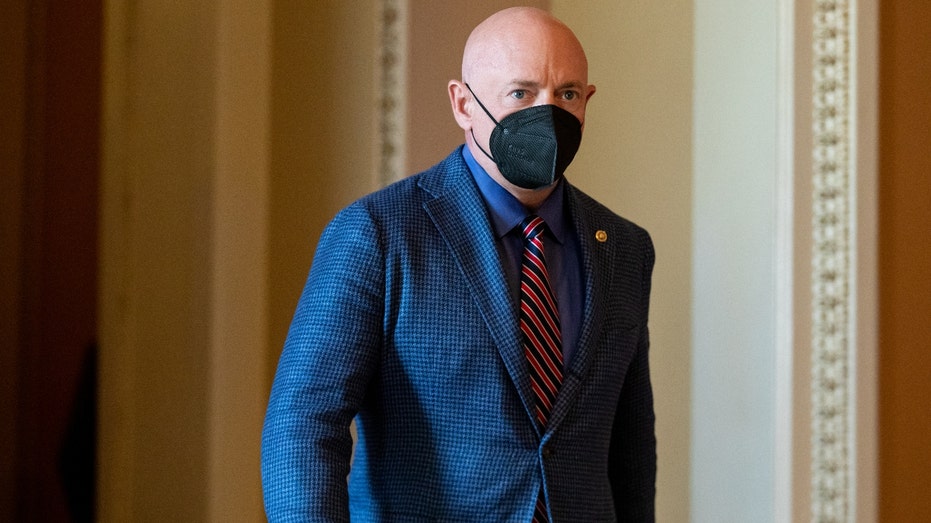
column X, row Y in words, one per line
column 596, row 257
column 458, row 212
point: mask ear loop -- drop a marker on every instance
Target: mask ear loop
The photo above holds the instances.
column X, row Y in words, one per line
column 474, row 139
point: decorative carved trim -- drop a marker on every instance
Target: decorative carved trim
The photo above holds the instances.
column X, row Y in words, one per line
column 832, row 399
column 392, row 101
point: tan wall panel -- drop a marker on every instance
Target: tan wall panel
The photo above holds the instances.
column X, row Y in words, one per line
column 323, row 118
column 238, row 328
column 155, row 255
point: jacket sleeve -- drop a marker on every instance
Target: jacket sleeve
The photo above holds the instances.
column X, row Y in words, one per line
column 330, row 354
column 632, row 465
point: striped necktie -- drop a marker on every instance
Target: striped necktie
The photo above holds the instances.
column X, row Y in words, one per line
column 539, row 325
column 539, row 320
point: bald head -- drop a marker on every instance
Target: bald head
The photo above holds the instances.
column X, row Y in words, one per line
column 518, row 32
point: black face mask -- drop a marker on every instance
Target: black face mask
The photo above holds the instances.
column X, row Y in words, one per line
column 532, row 147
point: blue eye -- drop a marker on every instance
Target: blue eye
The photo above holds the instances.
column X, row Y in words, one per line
column 519, row 94
column 569, row 95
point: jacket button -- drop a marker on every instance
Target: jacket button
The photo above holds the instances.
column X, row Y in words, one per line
column 547, row 451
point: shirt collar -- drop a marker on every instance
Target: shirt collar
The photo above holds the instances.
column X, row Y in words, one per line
column 506, row 211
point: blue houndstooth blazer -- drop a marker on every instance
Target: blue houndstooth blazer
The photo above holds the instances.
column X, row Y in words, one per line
column 406, row 324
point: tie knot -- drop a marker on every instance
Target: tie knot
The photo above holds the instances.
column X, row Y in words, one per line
column 532, row 226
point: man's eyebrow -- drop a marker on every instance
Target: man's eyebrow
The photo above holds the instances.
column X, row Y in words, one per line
column 570, row 85
column 529, row 84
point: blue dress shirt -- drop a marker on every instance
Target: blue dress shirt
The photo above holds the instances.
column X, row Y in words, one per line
column 561, row 248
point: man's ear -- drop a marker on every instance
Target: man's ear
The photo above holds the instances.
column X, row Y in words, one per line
column 459, row 101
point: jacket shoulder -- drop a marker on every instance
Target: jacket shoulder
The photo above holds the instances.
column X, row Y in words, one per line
column 591, row 211
column 433, row 180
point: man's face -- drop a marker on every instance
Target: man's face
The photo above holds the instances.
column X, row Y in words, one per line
column 527, row 67
column 514, row 60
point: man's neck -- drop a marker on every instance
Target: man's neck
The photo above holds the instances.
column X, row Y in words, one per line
column 532, row 199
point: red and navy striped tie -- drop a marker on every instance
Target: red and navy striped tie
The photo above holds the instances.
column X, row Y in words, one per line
column 539, row 325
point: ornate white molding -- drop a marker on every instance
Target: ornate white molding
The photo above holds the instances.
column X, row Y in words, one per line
column 392, row 99
column 833, row 404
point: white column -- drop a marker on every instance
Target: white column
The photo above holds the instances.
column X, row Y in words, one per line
column 739, row 261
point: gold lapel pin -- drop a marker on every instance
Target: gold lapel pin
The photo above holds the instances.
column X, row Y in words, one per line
column 601, row 236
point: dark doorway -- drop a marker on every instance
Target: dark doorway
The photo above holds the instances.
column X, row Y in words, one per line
column 50, row 165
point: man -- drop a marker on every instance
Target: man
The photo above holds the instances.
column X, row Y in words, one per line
column 485, row 323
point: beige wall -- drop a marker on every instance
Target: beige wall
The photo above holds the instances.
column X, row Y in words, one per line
column 636, row 158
